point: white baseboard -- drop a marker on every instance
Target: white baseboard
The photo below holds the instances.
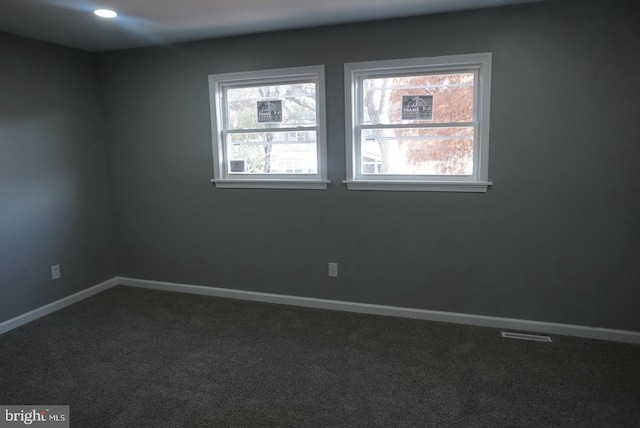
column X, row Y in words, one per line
column 422, row 314
column 365, row 308
column 55, row 306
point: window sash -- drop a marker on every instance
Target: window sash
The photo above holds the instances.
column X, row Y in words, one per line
column 255, row 83
column 219, row 85
column 404, row 177
column 355, row 104
column 226, row 131
column 227, row 158
column 265, row 130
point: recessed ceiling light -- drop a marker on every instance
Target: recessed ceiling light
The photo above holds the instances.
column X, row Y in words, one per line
column 105, row 13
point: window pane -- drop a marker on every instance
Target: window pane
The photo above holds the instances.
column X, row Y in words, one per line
column 273, row 153
column 439, row 98
column 274, row 106
column 418, row 151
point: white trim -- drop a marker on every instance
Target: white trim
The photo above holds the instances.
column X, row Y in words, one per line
column 219, row 83
column 270, row 184
column 422, row 314
column 420, row 186
column 55, row 306
column 261, row 77
column 356, row 72
column 435, row 63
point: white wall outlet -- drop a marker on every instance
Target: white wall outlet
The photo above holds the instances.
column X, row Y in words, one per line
column 55, row 272
column 333, row 270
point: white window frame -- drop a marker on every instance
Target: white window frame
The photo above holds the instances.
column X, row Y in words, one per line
column 355, row 73
column 220, row 83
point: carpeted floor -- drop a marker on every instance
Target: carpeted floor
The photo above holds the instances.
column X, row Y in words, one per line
column 138, row 358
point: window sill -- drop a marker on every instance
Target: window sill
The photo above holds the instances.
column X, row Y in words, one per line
column 271, row 184
column 419, row 186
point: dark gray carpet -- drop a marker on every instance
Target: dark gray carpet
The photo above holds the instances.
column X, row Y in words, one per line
column 138, row 358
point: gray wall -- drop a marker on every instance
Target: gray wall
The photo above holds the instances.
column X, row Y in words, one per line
column 53, row 184
column 556, row 239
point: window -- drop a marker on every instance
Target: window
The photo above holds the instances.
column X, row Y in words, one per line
column 268, row 129
column 418, row 124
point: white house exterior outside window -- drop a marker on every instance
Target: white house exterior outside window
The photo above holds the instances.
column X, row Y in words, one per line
column 268, row 128
column 419, row 124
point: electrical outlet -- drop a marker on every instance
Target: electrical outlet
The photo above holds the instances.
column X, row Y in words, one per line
column 55, row 272
column 333, row 270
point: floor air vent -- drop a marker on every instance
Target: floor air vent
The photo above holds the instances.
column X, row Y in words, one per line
column 523, row 336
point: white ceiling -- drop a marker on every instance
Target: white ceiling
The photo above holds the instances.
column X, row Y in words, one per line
column 153, row 22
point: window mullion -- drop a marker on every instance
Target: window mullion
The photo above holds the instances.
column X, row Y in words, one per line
column 418, row 125
column 272, row 130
